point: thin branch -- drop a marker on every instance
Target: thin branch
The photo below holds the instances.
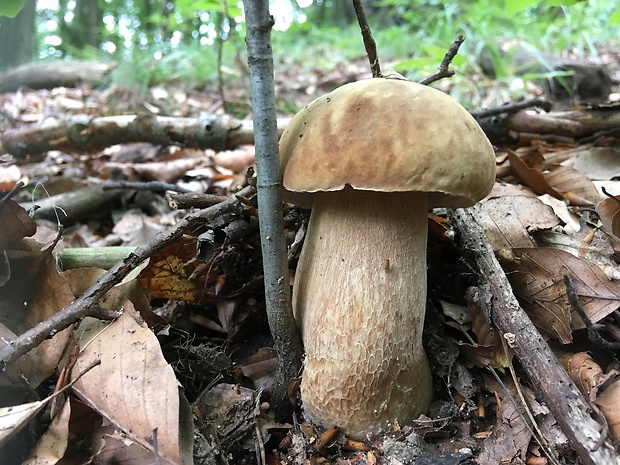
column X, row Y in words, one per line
column 568, row 405
column 593, row 328
column 286, row 337
column 443, row 71
column 369, row 41
column 153, row 186
column 513, row 107
column 87, row 303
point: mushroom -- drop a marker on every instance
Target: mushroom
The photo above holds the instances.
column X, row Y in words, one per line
column 374, row 156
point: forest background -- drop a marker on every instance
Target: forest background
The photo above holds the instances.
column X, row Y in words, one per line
column 197, row 42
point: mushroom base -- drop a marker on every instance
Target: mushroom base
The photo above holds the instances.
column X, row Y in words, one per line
column 359, row 298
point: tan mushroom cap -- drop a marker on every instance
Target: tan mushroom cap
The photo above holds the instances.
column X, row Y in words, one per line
column 388, row 135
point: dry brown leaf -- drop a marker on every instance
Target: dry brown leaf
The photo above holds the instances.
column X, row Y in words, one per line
column 134, row 388
column 261, row 367
column 609, row 212
column 486, row 335
column 608, row 402
column 599, row 163
column 237, row 160
column 136, row 228
column 52, row 446
column 114, row 447
column 508, row 221
column 511, row 436
column 165, row 171
column 593, row 246
column 585, row 372
column 35, row 292
column 538, row 281
column 567, row 180
column 14, row 418
column 15, row 224
column 531, row 177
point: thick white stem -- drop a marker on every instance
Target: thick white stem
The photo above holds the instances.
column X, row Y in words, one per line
column 360, row 297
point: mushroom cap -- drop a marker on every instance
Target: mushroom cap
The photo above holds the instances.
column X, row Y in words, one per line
column 387, row 135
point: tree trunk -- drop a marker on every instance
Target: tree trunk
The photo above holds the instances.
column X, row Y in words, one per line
column 17, row 44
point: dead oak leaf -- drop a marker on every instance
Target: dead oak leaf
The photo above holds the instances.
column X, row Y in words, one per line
column 536, row 275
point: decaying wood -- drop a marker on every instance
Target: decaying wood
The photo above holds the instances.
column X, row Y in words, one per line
column 569, row 407
column 70, row 206
column 82, row 133
column 54, row 74
column 576, row 124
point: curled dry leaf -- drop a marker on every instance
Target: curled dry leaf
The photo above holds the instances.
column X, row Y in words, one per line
column 15, row 224
column 508, row 221
column 531, row 177
column 609, row 212
column 573, row 185
column 134, row 388
column 488, row 336
column 585, row 372
column 608, row 402
column 537, row 280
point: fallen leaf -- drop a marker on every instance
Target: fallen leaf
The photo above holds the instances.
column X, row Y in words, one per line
column 567, row 180
column 537, row 278
column 608, row 402
column 599, row 163
column 585, row 372
column 134, row 388
column 52, row 446
column 15, row 224
column 531, row 177
column 509, row 221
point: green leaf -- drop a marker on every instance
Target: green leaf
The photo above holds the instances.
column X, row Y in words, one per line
column 614, row 18
column 516, row 6
column 10, row 8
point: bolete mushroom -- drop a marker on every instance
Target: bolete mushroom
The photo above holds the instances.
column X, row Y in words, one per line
column 375, row 155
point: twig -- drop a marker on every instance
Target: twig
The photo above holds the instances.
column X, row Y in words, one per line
column 16, row 188
column 286, row 337
column 369, row 41
column 611, row 196
column 87, row 303
column 153, row 186
column 513, row 107
column 443, row 71
column 189, row 200
column 593, row 328
column 568, row 405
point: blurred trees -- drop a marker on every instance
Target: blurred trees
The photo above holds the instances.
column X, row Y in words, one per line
column 17, row 37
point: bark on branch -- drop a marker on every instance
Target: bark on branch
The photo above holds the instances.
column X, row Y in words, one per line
column 569, row 407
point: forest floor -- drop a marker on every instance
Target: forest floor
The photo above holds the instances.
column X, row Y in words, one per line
column 193, row 315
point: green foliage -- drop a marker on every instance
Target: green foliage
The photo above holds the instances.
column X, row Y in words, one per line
column 10, row 8
column 191, row 65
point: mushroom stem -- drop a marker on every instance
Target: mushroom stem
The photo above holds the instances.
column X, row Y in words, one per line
column 359, row 298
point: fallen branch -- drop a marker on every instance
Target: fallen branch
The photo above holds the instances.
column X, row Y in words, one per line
column 569, row 407
column 52, row 74
column 87, row 303
column 82, row 133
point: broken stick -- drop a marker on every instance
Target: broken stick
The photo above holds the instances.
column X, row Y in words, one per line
column 568, row 406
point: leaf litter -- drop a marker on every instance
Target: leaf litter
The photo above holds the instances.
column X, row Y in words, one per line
column 187, row 364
